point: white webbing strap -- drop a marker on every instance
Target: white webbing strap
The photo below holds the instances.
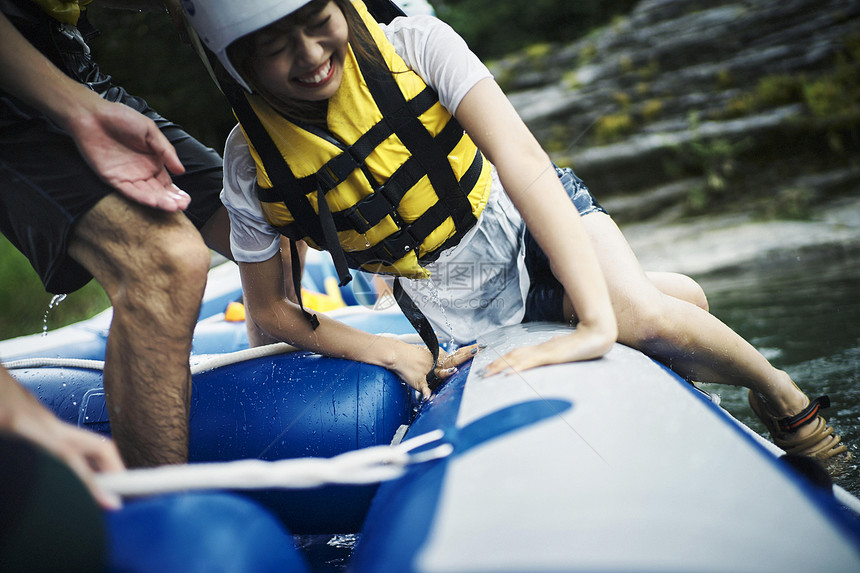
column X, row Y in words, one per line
column 360, row 467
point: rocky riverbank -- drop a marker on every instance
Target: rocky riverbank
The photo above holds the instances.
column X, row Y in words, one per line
column 694, row 107
column 717, row 133
column 718, row 243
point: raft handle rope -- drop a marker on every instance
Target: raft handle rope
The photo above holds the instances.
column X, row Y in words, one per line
column 359, row 467
column 199, row 363
column 365, row 466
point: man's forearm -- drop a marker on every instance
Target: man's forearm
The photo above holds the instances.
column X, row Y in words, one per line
column 138, row 5
column 28, row 75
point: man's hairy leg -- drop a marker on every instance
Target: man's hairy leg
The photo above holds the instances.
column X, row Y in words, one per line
column 153, row 266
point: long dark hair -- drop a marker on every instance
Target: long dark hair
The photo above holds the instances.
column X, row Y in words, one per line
column 241, row 52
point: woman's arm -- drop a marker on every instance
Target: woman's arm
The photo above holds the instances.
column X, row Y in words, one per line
column 268, row 307
column 529, row 178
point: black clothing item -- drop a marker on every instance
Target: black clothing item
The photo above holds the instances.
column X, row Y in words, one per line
column 545, row 299
column 48, row 519
column 45, row 184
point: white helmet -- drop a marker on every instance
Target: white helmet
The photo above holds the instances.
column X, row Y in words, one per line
column 219, row 23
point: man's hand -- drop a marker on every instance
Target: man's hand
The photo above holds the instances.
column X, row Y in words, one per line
column 128, row 152
column 86, row 453
column 124, row 147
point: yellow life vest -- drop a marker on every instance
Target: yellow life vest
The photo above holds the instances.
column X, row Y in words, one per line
column 401, row 179
column 65, row 11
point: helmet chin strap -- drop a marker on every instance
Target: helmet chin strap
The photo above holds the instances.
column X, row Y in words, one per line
column 384, row 10
column 194, row 39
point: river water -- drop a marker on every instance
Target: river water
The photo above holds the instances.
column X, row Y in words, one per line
column 802, row 311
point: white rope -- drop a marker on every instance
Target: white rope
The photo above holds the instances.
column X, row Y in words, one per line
column 200, row 362
column 360, row 467
column 207, row 362
column 55, row 363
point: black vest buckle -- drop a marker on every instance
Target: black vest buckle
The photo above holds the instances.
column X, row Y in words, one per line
column 399, row 244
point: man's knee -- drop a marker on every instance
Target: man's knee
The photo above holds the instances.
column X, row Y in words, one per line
column 171, row 268
column 181, row 254
column 139, row 254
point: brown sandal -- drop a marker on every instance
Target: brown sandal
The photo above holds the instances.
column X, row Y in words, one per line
column 822, row 443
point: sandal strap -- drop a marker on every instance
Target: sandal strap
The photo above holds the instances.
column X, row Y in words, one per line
column 792, row 423
column 820, row 434
column 828, row 446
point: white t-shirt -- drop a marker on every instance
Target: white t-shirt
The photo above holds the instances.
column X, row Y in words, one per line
column 475, row 287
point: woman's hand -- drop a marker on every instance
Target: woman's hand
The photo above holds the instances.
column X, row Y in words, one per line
column 413, row 362
column 584, row 343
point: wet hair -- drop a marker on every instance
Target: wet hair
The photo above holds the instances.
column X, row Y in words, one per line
column 241, row 53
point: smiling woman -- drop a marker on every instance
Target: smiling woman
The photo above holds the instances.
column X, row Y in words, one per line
column 300, row 56
column 423, row 166
column 298, row 60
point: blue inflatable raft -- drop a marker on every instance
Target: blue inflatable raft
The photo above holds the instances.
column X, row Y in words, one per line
column 608, row 465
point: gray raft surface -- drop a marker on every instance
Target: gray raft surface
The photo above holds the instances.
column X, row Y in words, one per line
column 607, row 465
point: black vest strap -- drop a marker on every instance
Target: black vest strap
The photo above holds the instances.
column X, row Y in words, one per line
column 386, row 198
column 410, row 236
column 285, row 184
column 282, row 178
column 288, row 188
column 353, row 156
column 296, row 271
column 383, row 10
column 422, row 326
column 397, row 112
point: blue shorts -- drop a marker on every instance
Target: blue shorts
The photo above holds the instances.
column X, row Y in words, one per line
column 45, row 185
column 544, row 301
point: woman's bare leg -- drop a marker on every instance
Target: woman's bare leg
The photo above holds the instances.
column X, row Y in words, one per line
column 681, row 334
column 679, row 286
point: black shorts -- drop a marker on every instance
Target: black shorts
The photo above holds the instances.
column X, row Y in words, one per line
column 46, row 186
column 544, row 301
